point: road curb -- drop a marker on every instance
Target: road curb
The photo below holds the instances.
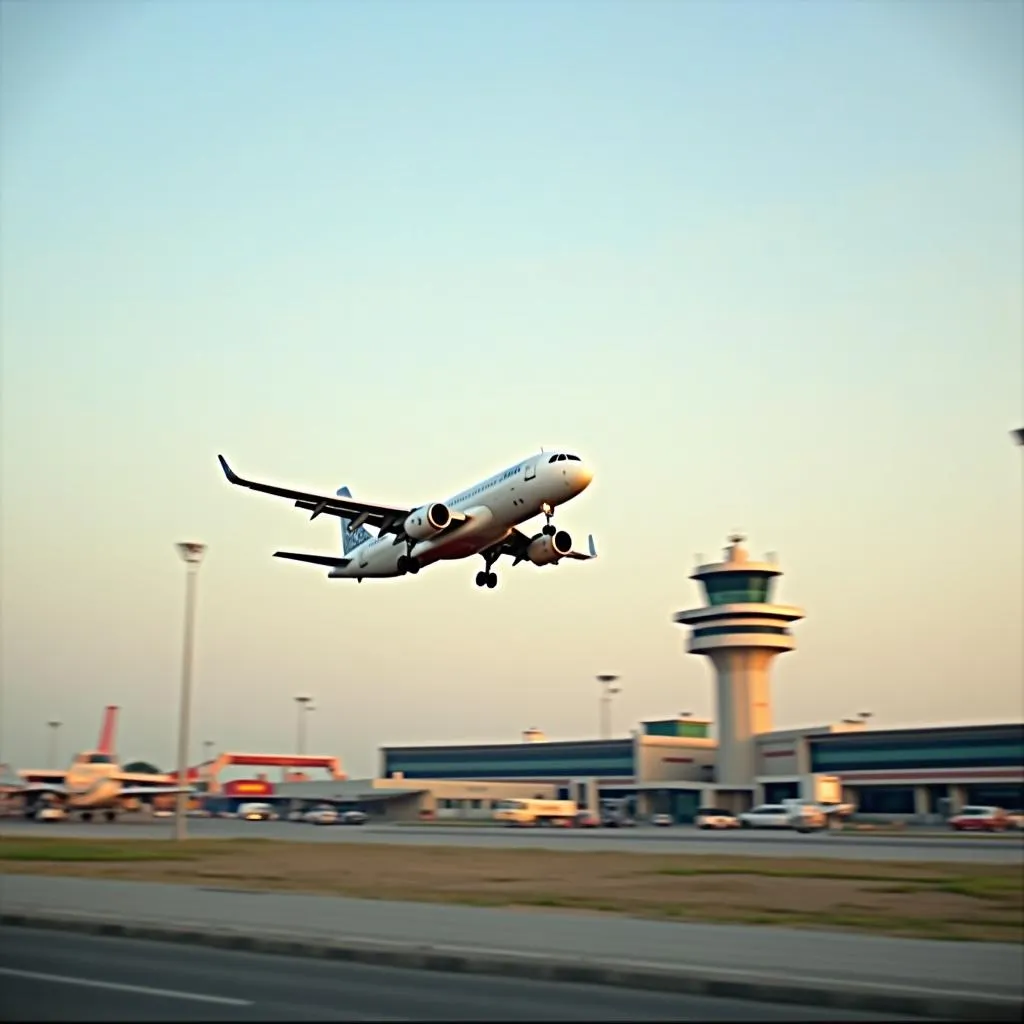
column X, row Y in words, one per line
column 860, row 997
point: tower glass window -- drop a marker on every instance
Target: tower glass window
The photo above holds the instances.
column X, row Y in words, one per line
column 738, row 588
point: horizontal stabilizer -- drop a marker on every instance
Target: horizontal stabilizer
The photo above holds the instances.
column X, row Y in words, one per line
column 334, row 561
column 592, row 551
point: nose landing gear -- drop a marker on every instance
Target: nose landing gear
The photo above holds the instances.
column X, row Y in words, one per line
column 408, row 564
column 548, row 511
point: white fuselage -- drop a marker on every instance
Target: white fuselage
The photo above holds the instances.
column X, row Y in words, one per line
column 494, row 508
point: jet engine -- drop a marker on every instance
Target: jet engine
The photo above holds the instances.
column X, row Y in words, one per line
column 545, row 550
column 425, row 522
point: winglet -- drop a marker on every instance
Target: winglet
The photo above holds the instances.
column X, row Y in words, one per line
column 232, row 476
column 590, row 544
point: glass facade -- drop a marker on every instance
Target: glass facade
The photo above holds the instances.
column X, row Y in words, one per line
column 610, row 759
column 677, row 727
column 723, row 630
column 968, row 748
column 738, row 588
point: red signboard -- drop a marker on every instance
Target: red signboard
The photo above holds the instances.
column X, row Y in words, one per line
column 248, row 787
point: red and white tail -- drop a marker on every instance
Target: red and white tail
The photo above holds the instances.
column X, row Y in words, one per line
column 108, row 730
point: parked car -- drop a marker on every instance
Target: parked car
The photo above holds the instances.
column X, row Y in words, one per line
column 321, row 816
column 584, row 819
column 352, row 818
column 257, row 812
column 767, row 816
column 980, row 819
column 716, row 817
column 51, row 813
column 662, row 820
column 1016, row 819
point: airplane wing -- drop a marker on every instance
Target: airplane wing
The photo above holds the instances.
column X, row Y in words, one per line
column 516, row 544
column 584, row 556
column 387, row 518
column 150, row 790
column 44, row 787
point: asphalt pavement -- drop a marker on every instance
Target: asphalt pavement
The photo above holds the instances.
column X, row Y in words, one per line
column 978, row 849
column 775, row 955
column 52, row 976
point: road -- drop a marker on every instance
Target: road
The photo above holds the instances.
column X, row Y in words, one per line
column 779, row 955
column 979, row 849
column 50, row 976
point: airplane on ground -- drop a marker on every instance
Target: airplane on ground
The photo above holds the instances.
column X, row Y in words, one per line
column 93, row 783
column 481, row 520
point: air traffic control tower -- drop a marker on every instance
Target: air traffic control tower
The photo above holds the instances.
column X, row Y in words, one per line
column 741, row 631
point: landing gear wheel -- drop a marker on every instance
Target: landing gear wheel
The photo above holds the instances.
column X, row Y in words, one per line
column 492, row 580
column 549, row 530
column 407, row 564
column 111, row 816
column 481, row 578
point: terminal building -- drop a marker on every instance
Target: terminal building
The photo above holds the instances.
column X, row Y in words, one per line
column 673, row 765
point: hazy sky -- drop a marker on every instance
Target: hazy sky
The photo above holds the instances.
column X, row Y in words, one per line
column 760, row 263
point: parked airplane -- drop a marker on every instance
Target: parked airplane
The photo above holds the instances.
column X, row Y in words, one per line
column 94, row 782
column 481, row 520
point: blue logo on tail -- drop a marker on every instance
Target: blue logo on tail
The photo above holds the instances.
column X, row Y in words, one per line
column 350, row 540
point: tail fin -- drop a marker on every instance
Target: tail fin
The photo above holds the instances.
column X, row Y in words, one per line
column 350, row 538
column 108, row 730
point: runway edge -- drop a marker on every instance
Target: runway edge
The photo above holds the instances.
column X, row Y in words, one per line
column 857, row 996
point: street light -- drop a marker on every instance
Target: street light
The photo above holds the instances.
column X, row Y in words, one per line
column 51, row 759
column 305, row 704
column 192, row 555
column 608, row 690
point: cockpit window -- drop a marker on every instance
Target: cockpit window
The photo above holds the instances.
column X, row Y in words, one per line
column 552, row 459
column 573, row 458
column 561, row 458
column 99, row 759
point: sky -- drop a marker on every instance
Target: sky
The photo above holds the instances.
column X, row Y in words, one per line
column 759, row 263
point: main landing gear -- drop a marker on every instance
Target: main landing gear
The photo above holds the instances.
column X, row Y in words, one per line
column 486, row 578
column 408, row 564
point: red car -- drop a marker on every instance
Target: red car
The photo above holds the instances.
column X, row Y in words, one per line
column 980, row 819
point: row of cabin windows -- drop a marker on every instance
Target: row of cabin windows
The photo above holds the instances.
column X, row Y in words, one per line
column 507, row 475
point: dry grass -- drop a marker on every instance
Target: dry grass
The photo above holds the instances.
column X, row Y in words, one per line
column 953, row 901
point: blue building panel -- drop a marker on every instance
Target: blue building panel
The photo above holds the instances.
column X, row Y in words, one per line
column 605, row 759
column 967, row 747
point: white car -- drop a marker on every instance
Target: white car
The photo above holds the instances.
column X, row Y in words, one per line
column 51, row 814
column 716, row 817
column 256, row 812
column 767, row 816
column 322, row 816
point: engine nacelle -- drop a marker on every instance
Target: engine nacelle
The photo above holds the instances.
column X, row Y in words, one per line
column 425, row 522
column 545, row 550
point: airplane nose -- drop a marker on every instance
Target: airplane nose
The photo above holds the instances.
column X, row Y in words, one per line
column 584, row 474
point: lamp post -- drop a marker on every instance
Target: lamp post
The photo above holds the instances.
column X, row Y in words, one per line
column 51, row 758
column 192, row 555
column 608, row 690
column 305, row 704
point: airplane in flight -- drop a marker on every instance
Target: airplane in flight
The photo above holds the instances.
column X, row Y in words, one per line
column 94, row 782
column 482, row 520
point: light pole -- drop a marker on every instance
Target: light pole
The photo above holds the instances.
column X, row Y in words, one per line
column 208, row 746
column 192, row 554
column 304, row 704
column 608, row 690
column 51, row 759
